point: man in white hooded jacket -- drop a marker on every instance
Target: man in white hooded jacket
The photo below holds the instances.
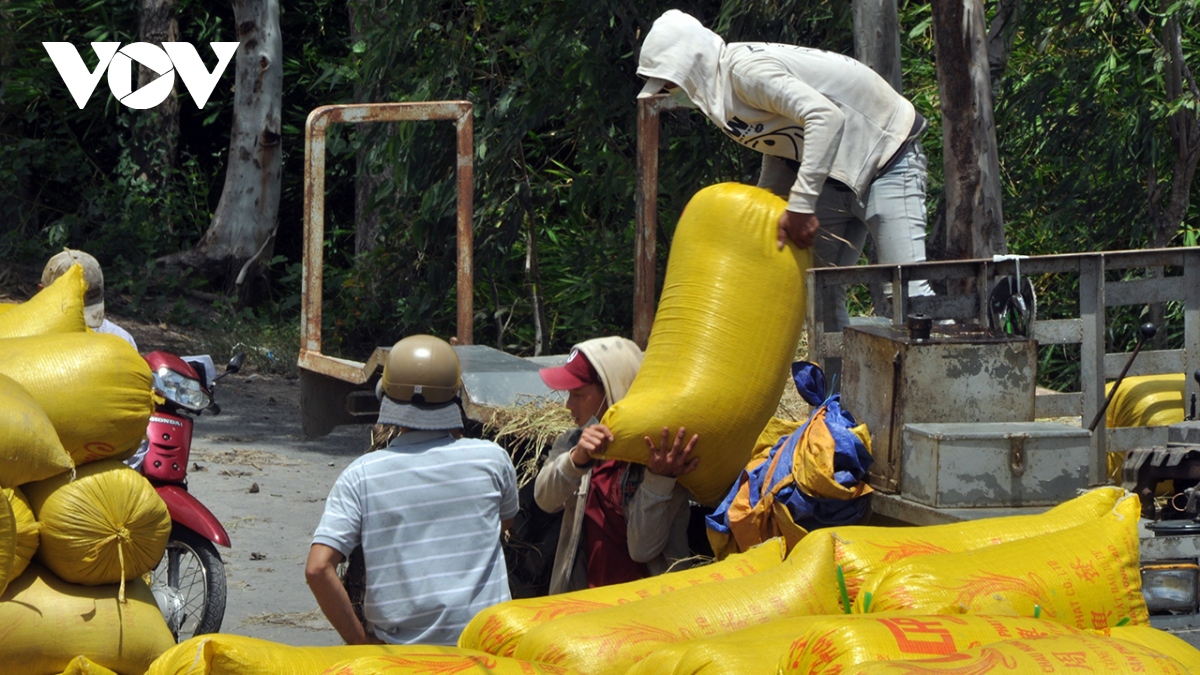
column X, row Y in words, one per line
column 838, row 142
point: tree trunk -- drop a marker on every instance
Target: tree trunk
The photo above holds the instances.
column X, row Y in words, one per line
column 1184, row 130
column 156, row 130
column 240, row 236
column 877, row 38
column 877, row 44
column 1001, row 34
column 974, row 218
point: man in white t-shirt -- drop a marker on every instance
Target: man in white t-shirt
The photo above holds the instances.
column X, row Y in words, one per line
column 93, row 299
column 428, row 510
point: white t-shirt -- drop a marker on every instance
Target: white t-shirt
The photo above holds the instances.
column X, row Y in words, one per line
column 113, row 329
column 427, row 512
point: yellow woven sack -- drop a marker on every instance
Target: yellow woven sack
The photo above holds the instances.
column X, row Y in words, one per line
column 81, row 665
column 8, row 544
column 497, row 629
column 420, row 661
column 57, row 308
column 1144, row 401
column 223, row 654
column 863, row 551
column 105, row 526
column 829, row 644
column 29, row 445
column 48, row 622
column 94, row 387
column 1052, row 655
column 1158, row 640
column 611, row 640
column 725, row 332
column 833, row 645
column 27, row 530
column 1087, row 577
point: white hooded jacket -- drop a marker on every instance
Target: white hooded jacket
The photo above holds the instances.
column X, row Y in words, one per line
column 832, row 114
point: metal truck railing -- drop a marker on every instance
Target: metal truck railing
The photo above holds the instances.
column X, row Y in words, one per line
column 1087, row 328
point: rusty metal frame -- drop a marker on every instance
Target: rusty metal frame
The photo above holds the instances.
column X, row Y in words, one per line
column 1087, row 329
column 336, row 391
column 646, row 199
column 314, row 215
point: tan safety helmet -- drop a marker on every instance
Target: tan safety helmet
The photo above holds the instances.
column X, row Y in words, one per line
column 422, row 369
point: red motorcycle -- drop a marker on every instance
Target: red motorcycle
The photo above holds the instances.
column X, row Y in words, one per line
column 189, row 582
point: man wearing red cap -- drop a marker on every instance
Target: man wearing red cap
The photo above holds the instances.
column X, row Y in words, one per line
column 621, row 521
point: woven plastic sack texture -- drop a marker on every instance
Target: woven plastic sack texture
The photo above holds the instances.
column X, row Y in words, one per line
column 47, row 622
column 1053, row 655
column 1158, row 640
column 29, row 445
column 224, row 654
column 106, row 525
column 611, row 640
column 497, row 629
column 27, row 530
column 725, row 332
column 8, row 544
column 831, row 646
column 863, row 551
column 1087, row 576
column 82, row 665
column 1144, row 401
column 58, row 308
column 749, row 651
column 94, row 387
column 420, row 662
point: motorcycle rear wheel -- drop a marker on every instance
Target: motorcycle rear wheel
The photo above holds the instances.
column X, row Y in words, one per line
column 189, row 584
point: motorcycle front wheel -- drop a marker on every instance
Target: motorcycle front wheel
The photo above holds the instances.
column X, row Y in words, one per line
column 189, row 585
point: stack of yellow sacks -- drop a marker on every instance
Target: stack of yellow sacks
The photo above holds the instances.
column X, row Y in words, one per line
column 1053, row 593
column 78, row 528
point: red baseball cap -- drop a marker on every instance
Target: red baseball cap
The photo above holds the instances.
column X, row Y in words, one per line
column 577, row 372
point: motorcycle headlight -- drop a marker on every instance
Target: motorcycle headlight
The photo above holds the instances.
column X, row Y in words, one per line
column 181, row 389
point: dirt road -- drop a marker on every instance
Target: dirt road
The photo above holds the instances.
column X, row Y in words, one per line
column 267, row 484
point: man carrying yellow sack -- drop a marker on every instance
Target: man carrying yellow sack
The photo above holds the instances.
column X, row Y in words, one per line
column 621, row 521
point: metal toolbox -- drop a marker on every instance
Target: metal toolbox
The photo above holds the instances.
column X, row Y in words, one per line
column 994, row 464
column 956, row 375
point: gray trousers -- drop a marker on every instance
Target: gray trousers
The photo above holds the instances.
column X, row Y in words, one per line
column 893, row 213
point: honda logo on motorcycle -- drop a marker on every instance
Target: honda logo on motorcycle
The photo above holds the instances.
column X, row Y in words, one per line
column 170, row 58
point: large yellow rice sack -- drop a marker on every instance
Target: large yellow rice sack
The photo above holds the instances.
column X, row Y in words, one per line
column 421, row 661
column 27, row 530
column 8, row 543
column 223, row 654
column 58, row 308
column 1053, row 655
column 1158, row 640
column 46, row 622
column 611, row 640
column 863, row 551
column 94, row 387
column 105, row 526
column 1143, row 401
column 1086, row 576
column 725, row 332
column 833, row 645
column 81, row 665
column 29, row 445
column 829, row 644
column 497, row 629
